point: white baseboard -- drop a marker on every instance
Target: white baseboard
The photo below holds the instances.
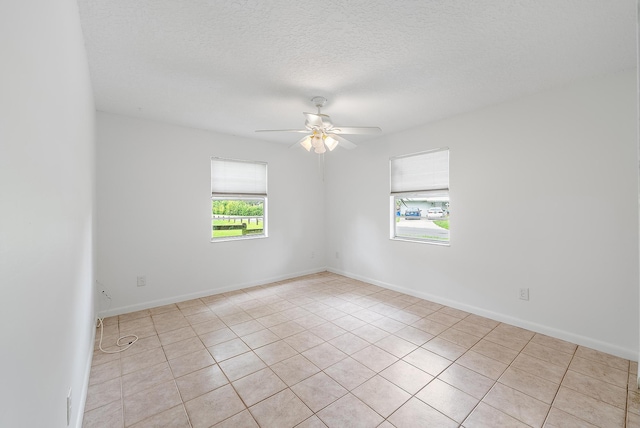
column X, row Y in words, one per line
column 609, row 348
column 209, row 292
column 79, row 418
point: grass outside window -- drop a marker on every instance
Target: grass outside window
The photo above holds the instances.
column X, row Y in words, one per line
column 254, row 225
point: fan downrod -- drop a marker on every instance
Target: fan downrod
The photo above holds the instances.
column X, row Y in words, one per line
column 319, row 102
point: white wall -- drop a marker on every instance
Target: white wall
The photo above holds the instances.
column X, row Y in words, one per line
column 543, row 195
column 154, row 214
column 47, row 210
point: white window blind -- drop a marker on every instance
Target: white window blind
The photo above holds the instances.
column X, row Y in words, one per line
column 420, row 172
column 240, row 178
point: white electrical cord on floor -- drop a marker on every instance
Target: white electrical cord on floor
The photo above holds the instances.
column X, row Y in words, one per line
column 124, row 346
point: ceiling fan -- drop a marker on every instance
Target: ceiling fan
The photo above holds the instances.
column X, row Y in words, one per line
column 323, row 133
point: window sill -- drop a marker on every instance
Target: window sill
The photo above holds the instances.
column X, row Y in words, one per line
column 422, row 241
column 238, row 238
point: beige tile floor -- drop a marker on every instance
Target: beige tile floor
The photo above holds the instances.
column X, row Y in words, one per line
column 325, row 350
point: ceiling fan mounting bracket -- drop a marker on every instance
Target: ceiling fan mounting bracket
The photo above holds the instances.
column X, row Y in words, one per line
column 319, row 102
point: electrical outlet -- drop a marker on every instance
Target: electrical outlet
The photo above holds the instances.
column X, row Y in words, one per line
column 313, row 254
column 142, row 281
column 69, row 407
column 337, row 255
column 524, row 294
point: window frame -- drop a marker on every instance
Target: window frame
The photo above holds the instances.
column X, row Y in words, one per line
column 244, row 195
column 437, row 188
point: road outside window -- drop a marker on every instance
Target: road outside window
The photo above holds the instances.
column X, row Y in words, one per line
column 422, row 218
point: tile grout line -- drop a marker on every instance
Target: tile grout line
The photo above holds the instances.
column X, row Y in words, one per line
column 555, row 396
column 551, row 404
column 492, row 386
column 626, row 401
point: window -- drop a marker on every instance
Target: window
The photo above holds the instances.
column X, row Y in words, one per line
column 238, row 199
column 420, row 197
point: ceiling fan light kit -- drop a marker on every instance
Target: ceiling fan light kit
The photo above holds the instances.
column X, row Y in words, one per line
column 318, row 143
column 324, row 135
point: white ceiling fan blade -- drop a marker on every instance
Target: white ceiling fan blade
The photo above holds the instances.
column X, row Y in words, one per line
column 282, row 130
column 326, row 121
column 344, row 143
column 318, row 120
column 304, row 142
column 356, row 130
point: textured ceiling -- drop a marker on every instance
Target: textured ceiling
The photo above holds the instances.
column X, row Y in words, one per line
column 234, row 66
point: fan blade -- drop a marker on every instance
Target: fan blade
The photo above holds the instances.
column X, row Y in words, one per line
column 282, row 130
column 356, row 130
column 299, row 143
column 344, row 143
column 318, row 120
column 326, row 121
